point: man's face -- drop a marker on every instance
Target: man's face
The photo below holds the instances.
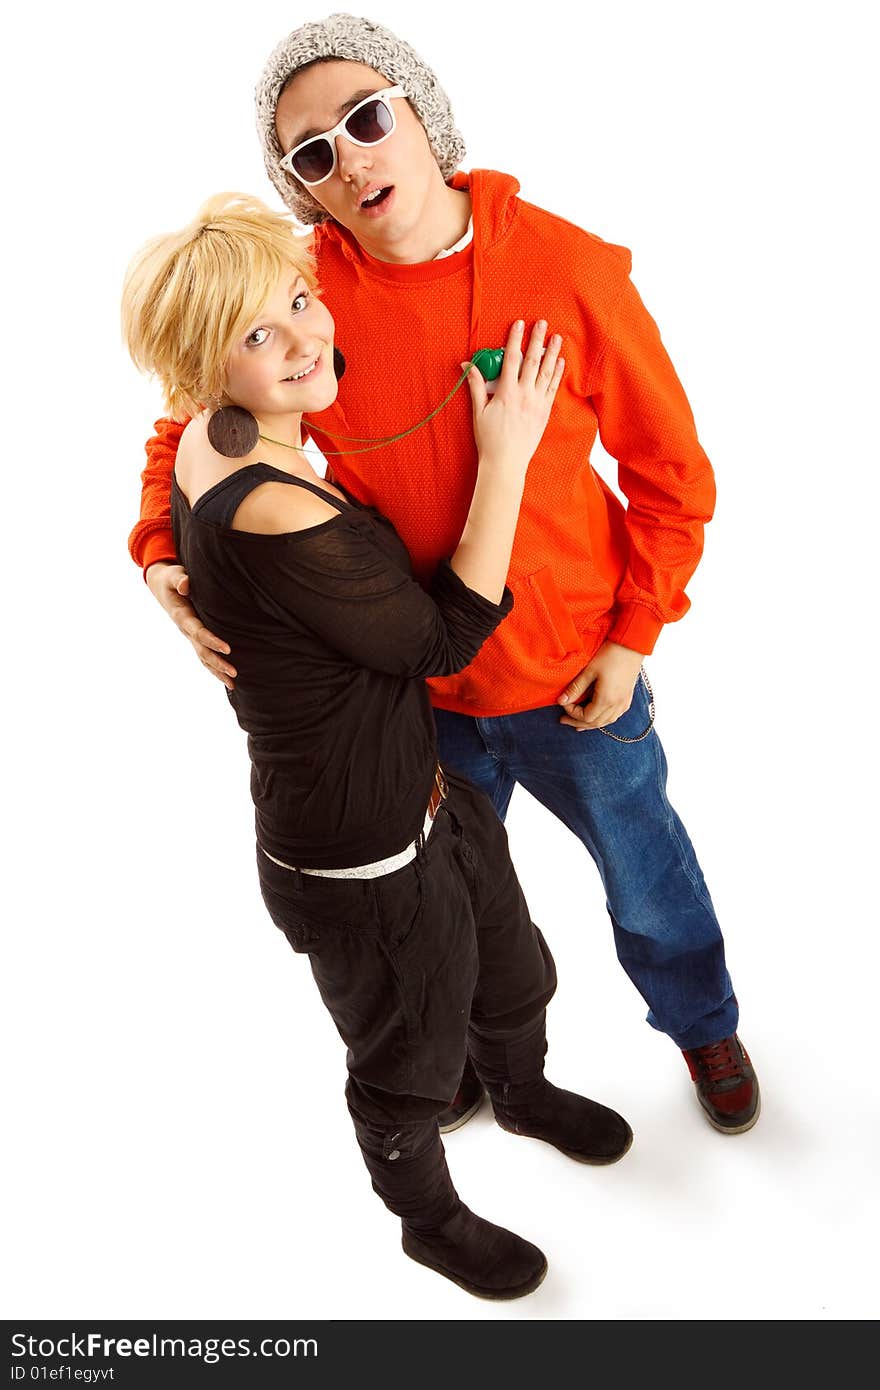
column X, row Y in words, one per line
column 402, row 169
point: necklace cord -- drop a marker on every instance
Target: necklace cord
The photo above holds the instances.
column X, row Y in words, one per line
column 372, row 443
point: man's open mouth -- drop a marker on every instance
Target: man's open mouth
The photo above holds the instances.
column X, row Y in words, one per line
column 377, row 196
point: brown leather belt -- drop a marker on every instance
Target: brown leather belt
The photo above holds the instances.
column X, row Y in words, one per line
column 439, row 792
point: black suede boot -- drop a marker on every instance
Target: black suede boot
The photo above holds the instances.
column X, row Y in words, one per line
column 510, row 1065
column 577, row 1126
column 409, row 1172
column 484, row 1259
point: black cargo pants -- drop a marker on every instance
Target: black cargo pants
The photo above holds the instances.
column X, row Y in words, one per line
column 407, row 963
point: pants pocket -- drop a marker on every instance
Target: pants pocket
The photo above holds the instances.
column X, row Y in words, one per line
column 308, row 909
column 638, row 721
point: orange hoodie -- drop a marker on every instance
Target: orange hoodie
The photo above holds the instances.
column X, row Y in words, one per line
column 583, row 569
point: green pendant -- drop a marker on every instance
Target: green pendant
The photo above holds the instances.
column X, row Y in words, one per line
column 489, row 361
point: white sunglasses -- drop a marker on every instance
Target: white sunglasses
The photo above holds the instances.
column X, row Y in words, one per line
column 368, row 123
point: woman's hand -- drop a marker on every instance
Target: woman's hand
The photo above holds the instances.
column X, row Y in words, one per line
column 170, row 585
column 508, row 425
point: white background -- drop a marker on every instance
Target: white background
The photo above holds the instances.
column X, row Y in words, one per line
column 178, row 1144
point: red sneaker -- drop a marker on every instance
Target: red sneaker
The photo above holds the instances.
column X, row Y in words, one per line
column 727, row 1087
column 466, row 1102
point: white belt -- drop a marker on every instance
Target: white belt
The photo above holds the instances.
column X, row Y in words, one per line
column 375, row 870
column 439, row 792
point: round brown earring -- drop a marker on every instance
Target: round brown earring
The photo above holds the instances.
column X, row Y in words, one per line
column 233, row 431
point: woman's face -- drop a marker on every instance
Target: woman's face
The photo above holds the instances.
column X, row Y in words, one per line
column 284, row 362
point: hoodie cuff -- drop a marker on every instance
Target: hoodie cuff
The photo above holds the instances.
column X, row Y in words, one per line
column 158, row 546
column 635, row 627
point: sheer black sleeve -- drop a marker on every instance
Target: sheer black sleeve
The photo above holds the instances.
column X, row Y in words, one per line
column 341, row 583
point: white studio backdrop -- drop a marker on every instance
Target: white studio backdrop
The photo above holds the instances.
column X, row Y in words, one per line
column 178, row 1144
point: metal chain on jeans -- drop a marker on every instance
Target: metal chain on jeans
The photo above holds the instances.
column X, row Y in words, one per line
column 618, row 738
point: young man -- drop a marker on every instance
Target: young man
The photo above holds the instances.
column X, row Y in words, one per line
column 422, row 267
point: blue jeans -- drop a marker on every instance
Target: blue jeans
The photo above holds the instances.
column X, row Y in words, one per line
column 613, row 797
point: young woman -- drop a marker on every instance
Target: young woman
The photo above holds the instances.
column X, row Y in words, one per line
column 394, row 878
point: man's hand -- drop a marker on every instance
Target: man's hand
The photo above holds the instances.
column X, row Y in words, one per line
column 170, row 585
column 612, row 673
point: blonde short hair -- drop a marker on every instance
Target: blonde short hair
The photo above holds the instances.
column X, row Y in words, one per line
column 190, row 295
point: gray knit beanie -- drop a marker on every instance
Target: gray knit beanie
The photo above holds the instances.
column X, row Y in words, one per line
column 359, row 41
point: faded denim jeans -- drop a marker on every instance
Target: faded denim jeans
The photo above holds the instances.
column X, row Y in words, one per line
column 612, row 796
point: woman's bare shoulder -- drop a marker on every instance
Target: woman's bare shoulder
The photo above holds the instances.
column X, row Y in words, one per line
column 198, row 466
column 278, row 508
column 269, row 509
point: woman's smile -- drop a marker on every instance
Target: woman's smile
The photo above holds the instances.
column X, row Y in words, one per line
column 306, row 371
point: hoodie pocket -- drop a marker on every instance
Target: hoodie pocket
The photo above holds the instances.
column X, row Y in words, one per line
column 529, row 657
column 542, row 613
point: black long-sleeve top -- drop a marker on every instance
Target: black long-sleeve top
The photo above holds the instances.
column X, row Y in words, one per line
column 331, row 638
